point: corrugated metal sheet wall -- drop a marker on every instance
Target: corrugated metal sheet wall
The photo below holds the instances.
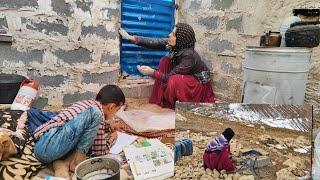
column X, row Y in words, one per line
column 148, row 18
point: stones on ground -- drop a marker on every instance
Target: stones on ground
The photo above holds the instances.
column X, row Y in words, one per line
column 298, row 172
column 250, row 125
column 299, row 142
column 205, row 177
column 229, row 177
column 262, row 161
column 247, row 172
column 208, row 171
column 212, row 133
column 264, row 138
column 302, row 141
column 279, row 146
column 296, row 162
column 247, row 177
column 223, row 174
column 289, row 142
column 202, row 171
column 285, row 174
column 215, row 174
column 236, row 153
column 236, row 176
column 262, row 152
column 300, row 150
column 274, row 150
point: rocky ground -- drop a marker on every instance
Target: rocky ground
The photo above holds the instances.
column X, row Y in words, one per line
column 285, row 148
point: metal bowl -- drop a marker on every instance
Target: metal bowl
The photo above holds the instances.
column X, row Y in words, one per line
column 96, row 164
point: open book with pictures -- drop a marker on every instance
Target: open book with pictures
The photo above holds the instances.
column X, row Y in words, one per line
column 150, row 159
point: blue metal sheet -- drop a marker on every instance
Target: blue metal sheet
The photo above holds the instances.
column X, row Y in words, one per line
column 148, row 18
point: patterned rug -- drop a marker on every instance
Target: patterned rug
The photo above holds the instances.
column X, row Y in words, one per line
column 24, row 165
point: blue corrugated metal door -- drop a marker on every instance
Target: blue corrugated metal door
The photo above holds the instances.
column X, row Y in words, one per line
column 148, row 18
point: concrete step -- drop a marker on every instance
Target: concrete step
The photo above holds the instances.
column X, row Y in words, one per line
column 138, row 88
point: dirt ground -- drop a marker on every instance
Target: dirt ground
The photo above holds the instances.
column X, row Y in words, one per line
column 201, row 130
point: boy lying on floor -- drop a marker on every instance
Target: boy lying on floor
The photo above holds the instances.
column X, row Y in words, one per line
column 67, row 138
column 217, row 154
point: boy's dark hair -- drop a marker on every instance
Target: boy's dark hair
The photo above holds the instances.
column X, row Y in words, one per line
column 111, row 94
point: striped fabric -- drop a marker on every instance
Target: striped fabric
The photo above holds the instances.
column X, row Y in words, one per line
column 100, row 145
column 217, row 144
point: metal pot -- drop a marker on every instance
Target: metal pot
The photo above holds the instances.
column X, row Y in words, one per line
column 96, row 164
column 9, row 87
column 271, row 39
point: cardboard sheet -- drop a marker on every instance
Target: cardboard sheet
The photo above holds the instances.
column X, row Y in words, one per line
column 146, row 121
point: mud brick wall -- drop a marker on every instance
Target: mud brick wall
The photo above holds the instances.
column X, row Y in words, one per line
column 71, row 46
column 225, row 27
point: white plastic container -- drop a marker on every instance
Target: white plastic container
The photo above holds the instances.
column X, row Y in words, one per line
column 27, row 93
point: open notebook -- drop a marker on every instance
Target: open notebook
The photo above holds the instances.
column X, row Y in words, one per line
column 150, row 159
column 122, row 141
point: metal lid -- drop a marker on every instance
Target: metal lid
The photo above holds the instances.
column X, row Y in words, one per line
column 306, row 12
column 279, row 49
column 11, row 78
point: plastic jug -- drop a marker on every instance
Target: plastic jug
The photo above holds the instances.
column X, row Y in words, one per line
column 28, row 91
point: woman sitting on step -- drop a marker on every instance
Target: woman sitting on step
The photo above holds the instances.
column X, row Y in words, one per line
column 181, row 75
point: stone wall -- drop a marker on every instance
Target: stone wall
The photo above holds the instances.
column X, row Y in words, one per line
column 225, row 27
column 71, row 46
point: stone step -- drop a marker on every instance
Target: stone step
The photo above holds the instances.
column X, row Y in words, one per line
column 140, row 88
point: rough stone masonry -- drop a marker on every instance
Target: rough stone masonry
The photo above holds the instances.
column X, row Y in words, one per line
column 225, row 27
column 70, row 46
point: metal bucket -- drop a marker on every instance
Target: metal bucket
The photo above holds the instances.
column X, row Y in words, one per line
column 275, row 75
column 96, row 164
column 9, row 87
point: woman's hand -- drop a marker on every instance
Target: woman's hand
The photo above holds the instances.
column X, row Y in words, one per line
column 125, row 35
column 145, row 70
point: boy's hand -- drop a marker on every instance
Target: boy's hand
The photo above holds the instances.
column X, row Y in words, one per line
column 117, row 124
column 113, row 137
